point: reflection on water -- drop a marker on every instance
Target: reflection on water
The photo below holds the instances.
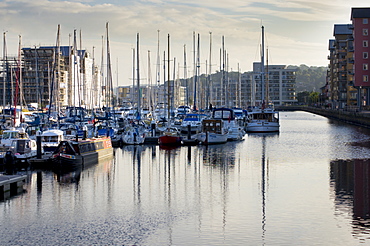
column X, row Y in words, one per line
column 351, row 182
column 303, row 186
column 219, row 155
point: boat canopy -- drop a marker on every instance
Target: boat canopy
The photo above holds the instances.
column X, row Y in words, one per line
column 223, row 113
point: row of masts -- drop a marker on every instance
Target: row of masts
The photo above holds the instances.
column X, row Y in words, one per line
column 200, row 93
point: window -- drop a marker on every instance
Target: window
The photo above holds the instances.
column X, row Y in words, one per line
column 365, row 21
column 365, row 43
column 365, row 66
column 365, row 55
column 365, row 32
column 366, row 78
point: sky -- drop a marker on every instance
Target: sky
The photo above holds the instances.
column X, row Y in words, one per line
column 296, row 31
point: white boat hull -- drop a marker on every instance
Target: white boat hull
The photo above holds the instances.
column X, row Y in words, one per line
column 263, row 127
column 211, row 138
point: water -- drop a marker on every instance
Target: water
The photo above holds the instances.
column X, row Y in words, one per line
column 307, row 185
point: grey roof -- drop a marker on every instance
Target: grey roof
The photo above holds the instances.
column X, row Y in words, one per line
column 360, row 13
column 342, row 29
column 331, row 44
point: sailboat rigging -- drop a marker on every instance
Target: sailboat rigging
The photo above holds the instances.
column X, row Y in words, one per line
column 170, row 136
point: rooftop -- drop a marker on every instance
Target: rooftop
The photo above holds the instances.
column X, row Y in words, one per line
column 360, row 13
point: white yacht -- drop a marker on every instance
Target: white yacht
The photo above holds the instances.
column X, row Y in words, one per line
column 263, row 120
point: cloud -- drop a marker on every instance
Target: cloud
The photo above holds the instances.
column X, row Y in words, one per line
column 294, row 26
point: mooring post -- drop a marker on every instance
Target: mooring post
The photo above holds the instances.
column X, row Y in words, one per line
column 38, row 145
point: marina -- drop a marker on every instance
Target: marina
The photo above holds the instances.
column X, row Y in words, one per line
column 306, row 184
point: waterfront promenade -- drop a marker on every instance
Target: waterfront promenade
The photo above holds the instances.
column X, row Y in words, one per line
column 361, row 118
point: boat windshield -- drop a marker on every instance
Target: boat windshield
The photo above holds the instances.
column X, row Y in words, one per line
column 50, row 139
column 222, row 114
column 7, row 135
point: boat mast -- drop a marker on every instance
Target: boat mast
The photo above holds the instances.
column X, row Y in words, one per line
column 82, row 75
column 150, row 106
column 101, row 86
column 21, row 96
column 158, row 68
column 138, row 77
column 197, row 72
column 38, row 93
column 133, row 76
column 238, row 89
column 17, row 81
column 93, row 90
column 267, row 77
column 186, row 78
column 263, row 70
column 168, row 78
column 194, row 73
column 5, row 72
column 76, row 84
column 174, row 87
column 227, row 86
column 57, row 85
column 109, row 73
column 209, row 94
column 223, row 72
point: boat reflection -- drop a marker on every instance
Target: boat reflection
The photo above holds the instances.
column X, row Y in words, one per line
column 74, row 176
column 169, row 147
column 219, row 154
column 350, row 181
column 68, row 177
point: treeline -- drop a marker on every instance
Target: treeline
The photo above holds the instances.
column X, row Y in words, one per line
column 310, row 78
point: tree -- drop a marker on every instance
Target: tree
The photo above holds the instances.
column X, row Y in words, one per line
column 310, row 78
column 313, row 97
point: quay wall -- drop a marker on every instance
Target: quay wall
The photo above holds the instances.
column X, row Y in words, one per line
column 11, row 185
column 355, row 117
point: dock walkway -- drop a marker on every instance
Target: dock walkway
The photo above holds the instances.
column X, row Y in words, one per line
column 361, row 118
column 11, row 185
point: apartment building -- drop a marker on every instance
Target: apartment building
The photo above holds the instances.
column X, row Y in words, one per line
column 360, row 18
column 280, row 85
column 340, row 76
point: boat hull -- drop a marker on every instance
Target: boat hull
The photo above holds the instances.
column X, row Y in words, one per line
column 89, row 152
column 262, row 127
column 169, row 140
column 212, row 138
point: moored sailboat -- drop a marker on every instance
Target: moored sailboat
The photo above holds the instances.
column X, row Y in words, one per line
column 263, row 119
column 170, row 136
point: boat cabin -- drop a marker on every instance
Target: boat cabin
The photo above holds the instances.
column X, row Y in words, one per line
column 214, row 125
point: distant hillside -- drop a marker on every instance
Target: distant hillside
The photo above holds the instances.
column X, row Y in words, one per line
column 310, row 78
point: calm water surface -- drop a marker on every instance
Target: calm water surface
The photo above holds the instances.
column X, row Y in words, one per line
column 307, row 185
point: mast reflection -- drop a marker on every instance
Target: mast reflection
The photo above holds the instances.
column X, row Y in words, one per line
column 264, row 175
